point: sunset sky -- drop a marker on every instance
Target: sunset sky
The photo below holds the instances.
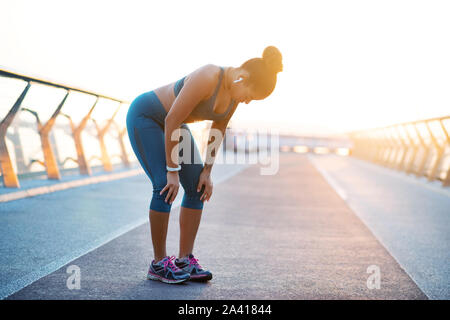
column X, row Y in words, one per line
column 347, row 64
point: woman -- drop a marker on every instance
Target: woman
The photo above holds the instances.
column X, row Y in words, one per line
column 209, row 93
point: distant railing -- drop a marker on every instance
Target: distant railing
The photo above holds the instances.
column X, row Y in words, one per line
column 419, row 147
column 332, row 144
column 44, row 154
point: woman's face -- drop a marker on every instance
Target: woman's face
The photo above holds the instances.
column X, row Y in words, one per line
column 242, row 93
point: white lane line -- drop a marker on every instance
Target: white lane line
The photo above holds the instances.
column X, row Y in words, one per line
column 67, row 185
column 336, row 186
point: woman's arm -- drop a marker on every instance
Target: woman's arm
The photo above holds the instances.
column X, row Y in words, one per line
column 216, row 134
column 217, row 131
column 196, row 87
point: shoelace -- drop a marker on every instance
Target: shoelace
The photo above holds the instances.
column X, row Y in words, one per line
column 194, row 262
column 168, row 262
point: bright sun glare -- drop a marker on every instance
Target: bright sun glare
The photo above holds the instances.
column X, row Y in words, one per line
column 347, row 64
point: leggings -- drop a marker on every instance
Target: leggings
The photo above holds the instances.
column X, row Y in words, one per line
column 145, row 126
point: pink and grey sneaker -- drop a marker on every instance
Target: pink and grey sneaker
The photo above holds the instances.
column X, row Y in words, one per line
column 190, row 265
column 166, row 271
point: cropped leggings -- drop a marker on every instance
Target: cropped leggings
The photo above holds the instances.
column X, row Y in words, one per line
column 145, row 126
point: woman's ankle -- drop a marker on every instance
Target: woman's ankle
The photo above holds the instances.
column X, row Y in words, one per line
column 158, row 259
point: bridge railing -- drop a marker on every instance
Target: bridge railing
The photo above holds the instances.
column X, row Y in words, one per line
column 419, row 147
column 49, row 127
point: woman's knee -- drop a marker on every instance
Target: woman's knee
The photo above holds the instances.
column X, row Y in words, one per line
column 192, row 200
column 158, row 201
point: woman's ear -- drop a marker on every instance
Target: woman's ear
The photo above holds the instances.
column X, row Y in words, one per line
column 242, row 76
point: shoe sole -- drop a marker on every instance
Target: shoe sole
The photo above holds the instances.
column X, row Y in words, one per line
column 151, row 276
column 201, row 278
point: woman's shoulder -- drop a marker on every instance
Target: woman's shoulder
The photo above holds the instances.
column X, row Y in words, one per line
column 207, row 72
column 206, row 76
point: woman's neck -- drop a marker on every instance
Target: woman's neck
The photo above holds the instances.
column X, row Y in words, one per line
column 228, row 77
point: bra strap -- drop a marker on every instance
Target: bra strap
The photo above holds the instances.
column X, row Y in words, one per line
column 220, row 81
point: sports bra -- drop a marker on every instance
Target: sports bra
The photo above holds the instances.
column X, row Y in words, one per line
column 204, row 110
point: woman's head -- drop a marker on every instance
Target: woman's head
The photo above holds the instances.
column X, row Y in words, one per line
column 259, row 75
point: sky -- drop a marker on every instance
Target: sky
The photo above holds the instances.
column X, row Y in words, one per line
column 348, row 65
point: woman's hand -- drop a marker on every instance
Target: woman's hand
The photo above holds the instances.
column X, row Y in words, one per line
column 205, row 180
column 173, row 184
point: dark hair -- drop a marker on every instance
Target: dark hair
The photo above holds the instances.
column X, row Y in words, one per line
column 263, row 71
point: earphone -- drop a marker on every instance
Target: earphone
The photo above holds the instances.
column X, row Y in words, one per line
column 239, row 80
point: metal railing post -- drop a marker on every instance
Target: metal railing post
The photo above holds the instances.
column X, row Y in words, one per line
column 376, row 145
column 50, row 164
column 386, row 149
column 397, row 148
column 409, row 164
column 10, row 179
column 371, row 146
column 83, row 164
column 420, row 169
column 49, row 156
column 379, row 146
column 106, row 160
column 446, row 180
column 404, row 148
column 391, row 148
column 439, row 151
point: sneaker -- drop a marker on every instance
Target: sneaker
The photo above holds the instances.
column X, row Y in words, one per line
column 166, row 271
column 190, row 265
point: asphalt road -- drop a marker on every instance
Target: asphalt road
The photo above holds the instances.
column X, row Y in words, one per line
column 283, row 236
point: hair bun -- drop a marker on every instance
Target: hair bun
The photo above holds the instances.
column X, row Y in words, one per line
column 272, row 58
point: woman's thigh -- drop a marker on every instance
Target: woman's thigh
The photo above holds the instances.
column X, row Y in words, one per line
column 147, row 140
column 190, row 161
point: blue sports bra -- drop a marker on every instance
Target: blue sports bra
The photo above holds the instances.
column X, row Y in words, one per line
column 204, row 110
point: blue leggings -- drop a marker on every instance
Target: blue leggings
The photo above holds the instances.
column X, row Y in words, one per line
column 145, row 126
